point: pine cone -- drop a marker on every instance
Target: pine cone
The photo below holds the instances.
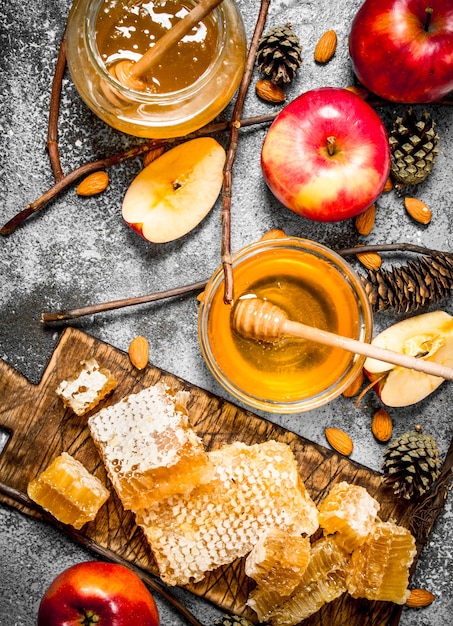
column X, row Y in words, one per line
column 233, row 620
column 279, row 54
column 413, row 146
column 410, row 287
column 412, row 464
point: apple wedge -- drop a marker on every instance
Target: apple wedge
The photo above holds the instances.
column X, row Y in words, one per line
column 172, row 195
column 428, row 336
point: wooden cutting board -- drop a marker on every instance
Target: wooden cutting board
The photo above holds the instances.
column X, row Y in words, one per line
column 40, row 429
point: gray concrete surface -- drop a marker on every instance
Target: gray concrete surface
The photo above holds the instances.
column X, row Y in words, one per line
column 78, row 251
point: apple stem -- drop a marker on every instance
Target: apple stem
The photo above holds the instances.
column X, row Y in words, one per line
column 429, row 12
column 331, row 143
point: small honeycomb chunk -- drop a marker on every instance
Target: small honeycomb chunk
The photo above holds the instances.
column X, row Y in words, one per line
column 350, row 512
column 87, row 387
column 278, row 560
column 322, row 582
column 68, row 491
column 379, row 568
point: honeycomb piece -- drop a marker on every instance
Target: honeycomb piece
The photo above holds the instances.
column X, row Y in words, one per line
column 253, row 489
column 322, row 582
column 350, row 511
column 379, row 568
column 87, row 387
column 278, row 560
column 68, row 491
column 148, row 447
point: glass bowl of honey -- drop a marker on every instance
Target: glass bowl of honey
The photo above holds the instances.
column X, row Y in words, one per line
column 187, row 89
column 313, row 285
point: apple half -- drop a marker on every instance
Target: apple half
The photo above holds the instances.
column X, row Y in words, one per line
column 428, row 336
column 173, row 194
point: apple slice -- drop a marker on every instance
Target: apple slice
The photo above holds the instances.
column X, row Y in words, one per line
column 428, row 336
column 171, row 196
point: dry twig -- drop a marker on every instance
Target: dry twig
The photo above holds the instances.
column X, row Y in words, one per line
column 54, row 110
column 106, row 162
column 231, row 153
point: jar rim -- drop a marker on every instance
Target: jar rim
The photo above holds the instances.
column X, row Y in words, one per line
column 144, row 96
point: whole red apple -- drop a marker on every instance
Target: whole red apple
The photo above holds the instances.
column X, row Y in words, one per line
column 105, row 594
column 326, row 156
column 402, row 50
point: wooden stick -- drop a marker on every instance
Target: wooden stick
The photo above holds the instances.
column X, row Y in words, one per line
column 131, row 75
column 59, row 316
column 231, row 153
column 106, row 162
column 261, row 320
column 54, row 110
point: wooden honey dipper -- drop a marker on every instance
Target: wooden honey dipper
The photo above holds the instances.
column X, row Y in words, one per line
column 254, row 318
column 130, row 73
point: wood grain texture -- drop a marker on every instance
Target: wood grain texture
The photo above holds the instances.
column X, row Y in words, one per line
column 40, row 428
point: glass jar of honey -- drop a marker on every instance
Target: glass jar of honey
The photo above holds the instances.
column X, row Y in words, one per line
column 194, row 82
column 312, row 285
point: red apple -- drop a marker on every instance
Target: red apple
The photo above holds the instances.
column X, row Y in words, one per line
column 105, row 594
column 402, row 50
column 326, row 155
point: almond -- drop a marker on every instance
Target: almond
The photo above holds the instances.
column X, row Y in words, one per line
column 354, row 387
column 418, row 210
column 152, row 155
column 388, row 185
column 94, row 183
column 274, row 233
column 339, row 440
column 266, row 90
column 139, row 352
column 326, row 46
column 419, row 598
column 381, row 425
column 359, row 91
column 364, row 221
column 370, row 260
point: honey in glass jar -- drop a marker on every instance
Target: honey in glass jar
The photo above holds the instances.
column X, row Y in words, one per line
column 314, row 286
column 187, row 89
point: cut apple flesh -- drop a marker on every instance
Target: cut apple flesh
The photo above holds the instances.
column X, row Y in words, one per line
column 171, row 196
column 428, row 336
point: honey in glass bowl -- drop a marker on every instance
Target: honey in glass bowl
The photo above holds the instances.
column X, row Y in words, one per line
column 314, row 286
column 193, row 83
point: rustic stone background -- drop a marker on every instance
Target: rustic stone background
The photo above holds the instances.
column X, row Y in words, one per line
column 78, row 251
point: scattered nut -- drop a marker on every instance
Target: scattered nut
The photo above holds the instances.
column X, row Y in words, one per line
column 354, row 387
column 152, row 155
column 419, row 598
column 139, row 352
column 418, row 210
column 339, row 440
column 370, row 260
column 382, row 426
column 364, row 221
column 359, row 91
column 274, row 233
column 326, row 46
column 388, row 185
column 93, row 184
column 266, row 90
